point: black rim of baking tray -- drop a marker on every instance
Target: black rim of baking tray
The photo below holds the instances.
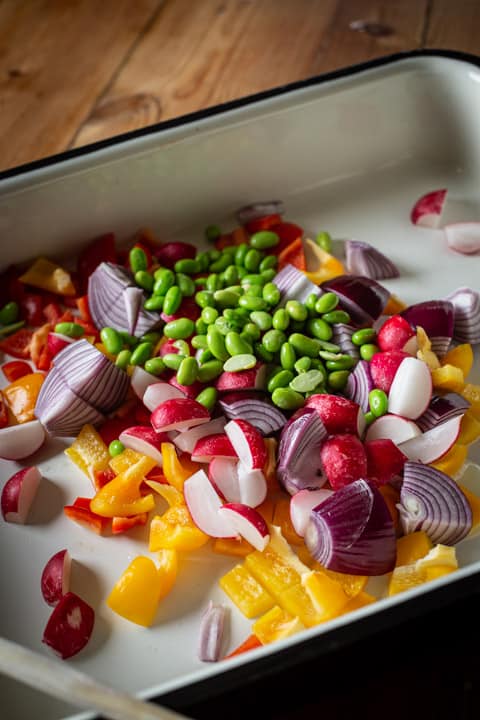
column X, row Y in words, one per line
column 218, row 110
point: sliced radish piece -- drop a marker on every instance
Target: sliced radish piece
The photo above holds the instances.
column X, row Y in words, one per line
column 464, row 237
column 434, row 443
column 393, row 427
column 70, row 626
column 383, row 367
column 302, row 503
column 338, row 414
column 140, row 380
column 223, row 474
column 396, row 333
column 427, row 211
column 56, row 342
column 18, row 494
column 248, row 443
column 156, row 393
column 252, row 485
column 203, row 503
column 186, row 440
column 252, row 379
column 211, row 446
column 55, row 581
column 411, row 389
column 144, row 440
column 178, row 414
column 20, row 441
column 248, row 523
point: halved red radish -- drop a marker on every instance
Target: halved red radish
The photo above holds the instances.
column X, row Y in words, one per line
column 156, row 393
column 18, row 442
column 252, row 485
column 18, row 494
column 144, row 440
column 411, row 389
column 203, row 503
column 302, row 503
column 384, row 460
column 218, row 445
column 140, row 380
column 70, row 626
column 383, row 367
column 223, row 474
column 253, row 379
column 464, row 237
column 248, row 523
column 338, row 414
column 428, row 209
column 396, row 333
column 431, row 445
column 178, row 414
column 55, row 580
column 189, row 391
column 393, row 427
column 343, row 459
column 57, row 341
column 186, row 440
column 248, row 443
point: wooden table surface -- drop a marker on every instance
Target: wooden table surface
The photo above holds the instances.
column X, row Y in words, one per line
column 76, row 71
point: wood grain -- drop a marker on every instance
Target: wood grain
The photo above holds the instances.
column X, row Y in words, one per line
column 455, row 25
column 56, row 57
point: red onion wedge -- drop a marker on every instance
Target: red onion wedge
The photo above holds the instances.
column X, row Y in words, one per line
column 466, row 309
column 441, row 409
column 299, row 465
column 342, row 336
column 363, row 298
column 427, row 211
column 436, row 317
column 255, row 408
column 60, row 411
column 301, row 505
column 352, row 531
column 364, row 259
column 433, row 502
column 294, row 285
column 211, row 633
column 464, row 237
column 360, row 384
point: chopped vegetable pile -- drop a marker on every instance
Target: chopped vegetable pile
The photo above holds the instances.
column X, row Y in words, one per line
column 266, row 397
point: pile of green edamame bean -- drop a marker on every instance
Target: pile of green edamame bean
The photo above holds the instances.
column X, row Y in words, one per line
column 9, row 322
column 242, row 322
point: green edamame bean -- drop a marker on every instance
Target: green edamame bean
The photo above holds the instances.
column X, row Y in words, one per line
column 363, row 336
column 152, row 337
column 210, row 370
column 199, row 342
column 268, row 275
column 271, row 294
column 378, row 402
column 336, row 316
column 230, row 276
column 296, row 310
column 250, row 302
column 273, row 340
column 209, row 315
column 368, row 351
column 144, row 280
column 241, row 272
column 70, row 329
column 264, row 239
column 204, row 298
column 112, row 340
column 253, row 279
column 342, row 362
column 173, row 300
column 287, row 399
column 155, row 302
column 164, row 278
column 183, row 347
column 317, row 364
column 252, row 260
column 172, row 360
column 304, row 345
column 236, row 345
column 369, row 418
column 269, row 262
column 207, row 397
column 214, row 254
column 311, row 301
column 253, row 290
column 326, row 303
column 307, row 381
column 187, row 372
column 212, row 233
column 303, row 364
column 261, row 319
column 128, row 339
column 319, row 329
column 123, row 359
column 329, row 347
column 9, row 313
column 216, row 343
column 138, row 259
column 155, row 365
column 324, row 240
column 251, row 332
column 223, row 325
column 222, row 263
column 204, row 356
column 188, row 266
column 240, row 252
column 213, row 282
column 338, row 379
column 262, row 353
column 279, row 379
column 141, row 354
column 115, row 448
column 226, row 298
column 288, row 356
column 233, row 317
column 13, row 327
column 281, row 319
column 203, row 260
column 179, row 329
column 186, row 285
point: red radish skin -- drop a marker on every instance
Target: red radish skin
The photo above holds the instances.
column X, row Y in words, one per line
column 188, row 309
column 55, row 581
column 144, row 440
column 158, row 392
column 18, row 495
column 301, row 505
column 428, row 209
column 248, row 523
column 248, row 443
column 253, row 379
column 384, row 460
column 343, row 459
column 396, row 333
column 189, row 391
column 411, row 389
column 212, row 446
column 393, row 427
column 186, row 440
column 178, row 414
column 18, row 442
column 383, row 367
column 203, row 503
column 432, row 444
column 70, row 626
column 338, row 414
column 168, row 347
column 56, row 342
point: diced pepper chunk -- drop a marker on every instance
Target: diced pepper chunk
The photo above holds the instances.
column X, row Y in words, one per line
column 16, row 369
column 275, row 574
column 124, row 460
column 474, row 502
column 175, row 530
column 392, row 497
column 448, row 377
column 412, row 547
column 18, row 344
column 292, row 254
column 472, row 394
column 297, row 602
column 327, row 595
column 461, row 357
column 21, row 396
column 352, row 585
column 167, row 571
column 361, row 600
column 453, row 460
column 89, row 452
column 439, row 555
column 238, row 547
column 246, row 592
column 123, row 524
column 469, row 429
column 176, row 471
column 47, row 275
column 81, row 513
column 121, row 496
column 136, row 593
column 250, row 643
column 275, row 625
column 394, row 305
column 270, row 467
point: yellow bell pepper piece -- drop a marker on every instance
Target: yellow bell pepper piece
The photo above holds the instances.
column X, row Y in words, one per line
column 237, row 547
column 124, row 460
column 352, row 585
column 281, row 518
column 176, row 471
column 474, row 502
column 448, row 377
column 136, row 594
column 121, row 496
column 472, row 394
column 327, row 595
column 21, row 396
column 272, row 571
column 175, row 530
column 438, row 555
column 321, row 265
column 440, row 560
column 298, row 603
column 167, row 571
column 361, row 600
column 461, row 357
column 452, row 462
column 469, row 429
column 424, row 351
column 88, row 451
column 246, row 592
column 412, row 547
column 47, row 275
column 275, row 625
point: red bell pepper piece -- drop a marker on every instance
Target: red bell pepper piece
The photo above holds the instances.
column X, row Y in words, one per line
column 31, row 308
column 16, row 369
column 18, row 344
column 112, row 427
column 122, row 524
column 288, row 232
column 102, row 477
column 44, row 361
column 249, row 644
column 52, row 313
column 3, row 413
column 80, row 513
column 101, row 249
column 83, row 308
column 263, row 223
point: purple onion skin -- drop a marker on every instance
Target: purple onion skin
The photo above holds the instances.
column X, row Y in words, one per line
column 434, row 316
column 466, row 306
column 255, row 407
column 442, row 408
column 352, row 531
column 359, row 385
column 303, row 472
column 363, row 298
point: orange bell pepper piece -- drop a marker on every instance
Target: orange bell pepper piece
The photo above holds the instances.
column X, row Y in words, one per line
column 176, row 471
column 281, row 518
column 293, row 254
column 461, row 357
column 80, row 513
column 21, row 396
column 47, row 275
column 250, row 643
column 121, row 496
column 122, row 524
